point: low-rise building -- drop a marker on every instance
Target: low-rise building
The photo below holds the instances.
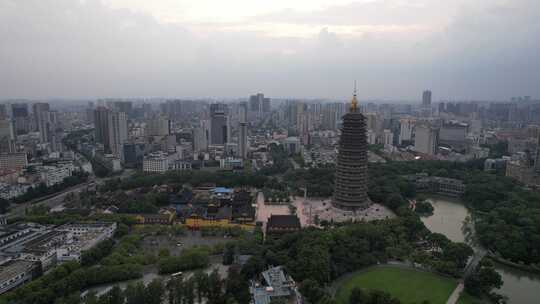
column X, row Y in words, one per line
column 275, row 285
column 14, row 273
column 52, row 175
column 155, row 219
column 281, row 224
column 82, row 237
column 438, row 185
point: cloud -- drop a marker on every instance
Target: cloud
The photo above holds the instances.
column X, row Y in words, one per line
column 480, row 49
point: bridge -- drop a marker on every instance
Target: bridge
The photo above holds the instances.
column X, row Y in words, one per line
column 479, row 254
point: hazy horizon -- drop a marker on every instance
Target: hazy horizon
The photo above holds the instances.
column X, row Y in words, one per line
column 395, row 49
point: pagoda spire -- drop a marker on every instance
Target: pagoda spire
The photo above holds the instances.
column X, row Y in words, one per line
column 354, row 101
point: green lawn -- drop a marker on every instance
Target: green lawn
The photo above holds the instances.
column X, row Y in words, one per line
column 408, row 285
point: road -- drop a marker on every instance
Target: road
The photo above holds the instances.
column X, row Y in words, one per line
column 51, row 201
column 57, row 199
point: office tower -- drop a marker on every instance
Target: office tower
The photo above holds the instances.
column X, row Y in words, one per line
column 42, row 120
column 259, row 104
column 7, row 136
column 101, row 124
column 133, row 154
column 406, row 127
column 426, row 99
column 158, row 126
column 350, row 191
column 219, row 124
column 117, row 122
column 242, row 140
column 19, row 113
column 426, row 139
column 255, row 102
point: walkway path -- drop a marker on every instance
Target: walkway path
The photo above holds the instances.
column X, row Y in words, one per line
column 454, row 297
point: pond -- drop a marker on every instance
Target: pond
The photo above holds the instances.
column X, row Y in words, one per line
column 448, row 218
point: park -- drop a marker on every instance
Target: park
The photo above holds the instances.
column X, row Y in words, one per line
column 408, row 285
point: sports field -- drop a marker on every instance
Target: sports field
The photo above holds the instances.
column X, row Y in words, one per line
column 408, row 285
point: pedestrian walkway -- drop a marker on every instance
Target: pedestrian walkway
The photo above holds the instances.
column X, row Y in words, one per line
column 454, row 297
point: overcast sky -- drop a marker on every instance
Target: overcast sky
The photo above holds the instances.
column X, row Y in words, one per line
column 460, row 49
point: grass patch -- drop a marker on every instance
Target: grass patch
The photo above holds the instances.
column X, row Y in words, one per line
column 408, row 285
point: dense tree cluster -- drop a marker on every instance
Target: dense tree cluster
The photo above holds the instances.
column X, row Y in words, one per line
column 318, row 181
column 423, row 207
column 178, row 178
column 317, row 257
column 193, row 258
column 483, row 280
column 199, row 288
column 42, row 190
column 93, row 255
column 280, row 161
column 507, row 216
column 69, row 278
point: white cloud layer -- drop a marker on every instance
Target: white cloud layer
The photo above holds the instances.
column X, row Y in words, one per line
column 477, row 49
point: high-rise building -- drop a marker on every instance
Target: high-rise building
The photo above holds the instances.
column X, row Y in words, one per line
column 302, row 122
column 426, row 99
column 42, row 121
column 537, row 157
column 406, row 127
column 13, row 161
column 101, row 123
column 7, row 136
column 123, row 106
column 111, row 130
column 329, row 117
column 20, row 117
column 426, row 139
column 117, row 122
column 158, row 126
column 242, row 140
column 259, row 104
column 350, row 191
column 266, row 106
column 243, row 112
column 3, row 111
column 219, row 124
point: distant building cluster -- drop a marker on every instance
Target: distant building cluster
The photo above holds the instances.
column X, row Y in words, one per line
column 28, row 249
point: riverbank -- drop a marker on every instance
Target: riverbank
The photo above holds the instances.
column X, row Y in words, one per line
column 522, row 267
column 520, row 283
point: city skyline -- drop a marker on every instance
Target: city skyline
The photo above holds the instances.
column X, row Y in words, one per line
column 465, row 50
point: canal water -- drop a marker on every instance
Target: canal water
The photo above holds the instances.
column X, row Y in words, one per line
column 448, row 218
